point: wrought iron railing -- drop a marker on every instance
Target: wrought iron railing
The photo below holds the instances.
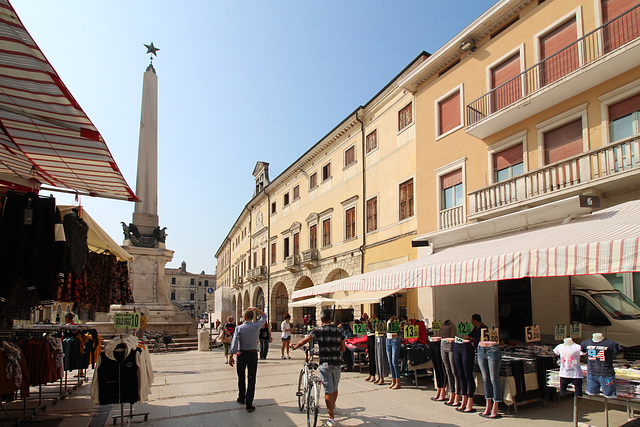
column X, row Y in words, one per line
column 587, row 49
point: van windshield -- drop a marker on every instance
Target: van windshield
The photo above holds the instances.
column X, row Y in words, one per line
column 618, row 305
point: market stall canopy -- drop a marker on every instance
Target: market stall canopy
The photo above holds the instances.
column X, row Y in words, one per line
column 606, row 241
column 98, row 239
column 364, row 297
column 45, row 137
column 311, row 302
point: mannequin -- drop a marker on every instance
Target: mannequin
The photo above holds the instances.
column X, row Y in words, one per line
column 382, row 365
column 570, row 370
column 438, row 368
column 489, row 360
column 447, row 333
column 600, row 372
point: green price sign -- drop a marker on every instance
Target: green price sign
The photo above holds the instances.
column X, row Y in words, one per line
column 393, row 327
column 380, row 328
column 411, row 331
column 126, row 320
column 436, row 325
column 359, row 328
column 464, row 328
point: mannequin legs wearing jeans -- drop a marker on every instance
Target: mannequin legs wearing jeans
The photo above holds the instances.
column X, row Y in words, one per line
column 463, row 355
column 446, row 350
column 393, row 354
column 371, row 350
column 438, row 369
column 489, row 359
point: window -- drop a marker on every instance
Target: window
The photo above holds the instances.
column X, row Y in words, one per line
column 199, row 283
column 273, row 253
column 192, row 296
column 451, row 187
column 621, row 30
column 313, row 236
column 326, row 232
column 563, row 142
column 508, row 163
column 193, row 281
column 449, row 116
column 285, row 200
column 406, row 199
column 507, row 88
column 313, row 180
column 296, row 192
column 255, row 259
column 350, row 223
column 623, row 118
column 372, row 214
column 553, row 42
column 273, row 208
column 371, row 141
column 286, row 247
column 405, row 117
column 173, row 280
column 206, row 283
column 296, row 244
column 350, row 156
column 173, row 296
column 326, row 172
column 264, row 257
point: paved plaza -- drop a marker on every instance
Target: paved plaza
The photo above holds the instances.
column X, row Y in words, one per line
column 197, row 389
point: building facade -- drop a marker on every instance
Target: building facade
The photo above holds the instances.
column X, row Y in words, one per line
column 189, row 291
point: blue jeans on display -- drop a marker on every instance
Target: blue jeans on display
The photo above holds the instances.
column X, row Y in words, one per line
column 393, row 355
column 489, row 359
column 463, row 355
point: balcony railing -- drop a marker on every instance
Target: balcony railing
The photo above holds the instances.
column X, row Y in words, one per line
column 237, row 282
column 585, row 50
column 258, row 273
column 586, row 168
column 310, row 258
column 451, row 217
column 293, row 262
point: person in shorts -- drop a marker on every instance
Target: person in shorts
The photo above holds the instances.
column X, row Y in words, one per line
column 330, row 348
column 286, row 327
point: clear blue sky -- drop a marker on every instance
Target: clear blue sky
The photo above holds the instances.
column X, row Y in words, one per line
column 239, row 82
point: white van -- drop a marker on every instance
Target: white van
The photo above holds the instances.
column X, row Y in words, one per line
column 600, row 308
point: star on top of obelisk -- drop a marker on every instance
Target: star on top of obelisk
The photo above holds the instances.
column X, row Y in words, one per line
column 152, row 50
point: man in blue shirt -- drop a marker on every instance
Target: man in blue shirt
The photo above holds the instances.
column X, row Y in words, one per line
column 245, row 344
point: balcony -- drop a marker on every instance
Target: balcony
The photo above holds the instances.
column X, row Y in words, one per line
column 293, row 263
column 602, row 170
column 451, row 217
column 237, row 282
column 598, row 56
column 257, row 274
column 310, row 258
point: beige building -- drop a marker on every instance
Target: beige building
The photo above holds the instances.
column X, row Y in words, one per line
column 190, row 291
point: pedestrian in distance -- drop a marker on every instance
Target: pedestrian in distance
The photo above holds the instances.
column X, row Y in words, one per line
column 244, row 343
column 226, row 335
column 286, row 327
column 331, row 345
column 265, row 339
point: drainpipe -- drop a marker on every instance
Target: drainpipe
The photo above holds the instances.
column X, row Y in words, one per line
column 364, row 195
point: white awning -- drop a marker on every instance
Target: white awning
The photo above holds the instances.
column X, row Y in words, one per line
column 311, row 302
column 606, row 241
column 364, row 297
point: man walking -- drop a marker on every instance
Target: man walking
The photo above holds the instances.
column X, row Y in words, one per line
column 330, row 346
column 245, row 343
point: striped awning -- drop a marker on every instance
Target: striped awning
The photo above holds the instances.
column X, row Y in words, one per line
column 606, row 241
column 45, row 137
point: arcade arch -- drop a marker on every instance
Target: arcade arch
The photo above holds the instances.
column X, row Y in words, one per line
column 297, row 313
column 258, row 297
column 279, row 305
column 336, row 274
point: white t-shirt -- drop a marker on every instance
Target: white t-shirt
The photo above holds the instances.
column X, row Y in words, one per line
column 569, row 360
column 286, row 329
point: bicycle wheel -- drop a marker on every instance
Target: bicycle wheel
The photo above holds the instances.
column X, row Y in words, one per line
column 312, row 406
column 315, row 408
column 302, row 380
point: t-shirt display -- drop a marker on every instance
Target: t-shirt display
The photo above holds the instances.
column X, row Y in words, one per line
column 600, row 356
column 328, row 338
column 569, row 360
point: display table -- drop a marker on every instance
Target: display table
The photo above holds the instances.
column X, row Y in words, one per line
column 414, row 369
column 508, row 385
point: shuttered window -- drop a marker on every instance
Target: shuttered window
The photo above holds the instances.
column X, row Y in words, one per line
column 296, row 192
column 507, row 91
column 350, row 223
column 406, row 200
column 286, row 247
column 405, row 117
column 326, row 232
column 451, row 188
column 326, row 172
column 273, row 253
column 313, row 180
column 449, row 112
column 372, row 214
column 508, row 163
column 296, row 244
column 350, row 156
column 624, row 29
column 566, row 60
column 563, row 142
column 313, row 236
column 372, row 141
column 264, row 256
column 624, row 118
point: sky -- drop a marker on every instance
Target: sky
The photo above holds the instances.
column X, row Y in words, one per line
column 239, row 82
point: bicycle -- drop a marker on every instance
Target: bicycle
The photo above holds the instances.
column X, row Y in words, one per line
column 160, row 339
column 309, row 384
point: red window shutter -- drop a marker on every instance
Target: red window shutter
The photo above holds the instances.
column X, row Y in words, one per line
column 372, row 141
column 624, row 107
column 296, row 244
column 372, row 214
column 313, row 231
column 449, row 113
column 621, row 30
column 273, row 253
column 511, row 91
column 563, row 142
column 555, row 41
column 509, row 157
column 451, row 179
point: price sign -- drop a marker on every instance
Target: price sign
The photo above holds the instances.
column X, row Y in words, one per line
column 532, row 333
column 393, row 327
column 576, row 330
column 560, row 332
column 464, row 328
column 411, row 331
column 126, row 320
column 380, row 328
column 458, row 340
column 359, row 328
column 490, row 335
column 435, row 326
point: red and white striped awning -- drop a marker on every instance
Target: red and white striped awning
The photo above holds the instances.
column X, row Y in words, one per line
column 606, row 241
column 45, row 137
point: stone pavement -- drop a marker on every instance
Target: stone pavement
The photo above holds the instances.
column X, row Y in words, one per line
column 197, row 389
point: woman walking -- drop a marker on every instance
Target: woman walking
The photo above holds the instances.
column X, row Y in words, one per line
column 286, row 328
column 226, row 335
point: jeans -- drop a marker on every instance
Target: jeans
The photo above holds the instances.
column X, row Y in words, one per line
column 264, row 348
column 248, row 361
column 463, row 355
column 489, row 359
column 605, row 382
column 371, row 350
column 393, row 354
column 438, row 368
column 446, row 351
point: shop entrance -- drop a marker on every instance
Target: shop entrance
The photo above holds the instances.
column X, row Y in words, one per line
column 514, row 307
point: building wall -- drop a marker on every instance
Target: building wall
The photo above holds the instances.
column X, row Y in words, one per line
column 184, row 285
